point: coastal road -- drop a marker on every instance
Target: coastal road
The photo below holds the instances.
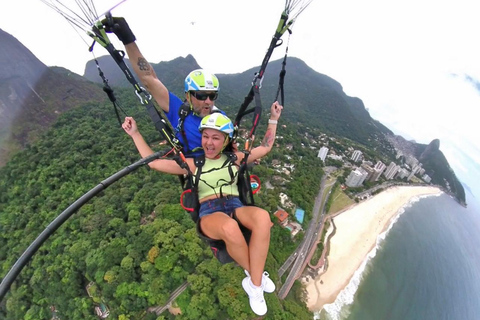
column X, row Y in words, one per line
column 298, row 258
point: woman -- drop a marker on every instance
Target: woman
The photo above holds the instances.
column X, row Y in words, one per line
column 220, row 207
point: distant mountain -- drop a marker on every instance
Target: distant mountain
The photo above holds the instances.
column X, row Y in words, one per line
column 173, row 72
column 313, row 99
column 434, row 163
column 32, row 95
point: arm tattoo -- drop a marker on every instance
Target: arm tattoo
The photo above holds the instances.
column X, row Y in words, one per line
column 268, row 139
column 143, row 65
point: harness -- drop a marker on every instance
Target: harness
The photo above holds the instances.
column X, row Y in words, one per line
column 190, row 202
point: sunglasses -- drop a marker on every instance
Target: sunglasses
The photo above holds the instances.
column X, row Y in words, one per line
column 202, row 96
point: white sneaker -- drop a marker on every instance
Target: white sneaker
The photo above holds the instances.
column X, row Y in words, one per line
column 255, row 297
column 267, row 283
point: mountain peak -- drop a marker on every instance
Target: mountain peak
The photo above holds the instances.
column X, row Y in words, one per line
column 435, row 144
column 17, row 61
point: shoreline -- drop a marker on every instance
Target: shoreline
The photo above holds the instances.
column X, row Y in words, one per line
column 357, row 229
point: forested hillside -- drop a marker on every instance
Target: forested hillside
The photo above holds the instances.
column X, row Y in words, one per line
column 134, row 241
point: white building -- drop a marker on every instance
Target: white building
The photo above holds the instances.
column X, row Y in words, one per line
column 402, row 173
column 357, row 155
column 391, row 170
column 380, row 166
column 411, row 161
column 283, row 198
column 356, row 178
column 426, row 178
column 378, row 170
column 322, row 153
column 417, row 168
column 335, row 157
column 368, row 169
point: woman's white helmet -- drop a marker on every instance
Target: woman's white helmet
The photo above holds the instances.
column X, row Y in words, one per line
column 217, row 121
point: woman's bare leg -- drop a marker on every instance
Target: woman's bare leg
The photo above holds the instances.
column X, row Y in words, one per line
column 258, row 221
column 220, row 226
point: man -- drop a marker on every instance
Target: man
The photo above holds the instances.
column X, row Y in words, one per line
column 201, row 90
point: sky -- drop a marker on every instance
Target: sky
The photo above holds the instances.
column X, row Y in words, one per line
column 414, row 64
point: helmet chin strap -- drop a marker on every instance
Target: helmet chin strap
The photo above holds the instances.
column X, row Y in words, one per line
column 225, row 143
column 189, row 99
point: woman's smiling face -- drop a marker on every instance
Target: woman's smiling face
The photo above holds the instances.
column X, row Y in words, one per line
column 212, row 142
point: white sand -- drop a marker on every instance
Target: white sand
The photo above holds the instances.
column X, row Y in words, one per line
column 356, row 234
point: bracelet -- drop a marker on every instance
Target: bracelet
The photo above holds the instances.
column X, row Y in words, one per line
column 270, row 121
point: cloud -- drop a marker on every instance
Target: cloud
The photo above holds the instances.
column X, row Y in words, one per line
column 474, row 82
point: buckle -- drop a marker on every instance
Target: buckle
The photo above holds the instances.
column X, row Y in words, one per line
column 224, row 199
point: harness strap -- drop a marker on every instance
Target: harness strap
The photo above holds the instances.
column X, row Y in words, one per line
column 281, row 80
column 254, row 94
column 109, row 91
column 228, row 163
column 190, row 189
column 258, row 78
column 199, row 162
column 161, row 123
column 246, row 193
column 183, row 112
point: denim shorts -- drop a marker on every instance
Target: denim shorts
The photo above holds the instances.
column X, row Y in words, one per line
column 226, row 205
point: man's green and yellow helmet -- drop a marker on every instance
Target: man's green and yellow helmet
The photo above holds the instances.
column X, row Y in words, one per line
column 200, row 80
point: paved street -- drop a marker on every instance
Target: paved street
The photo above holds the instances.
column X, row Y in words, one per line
column 299, row 257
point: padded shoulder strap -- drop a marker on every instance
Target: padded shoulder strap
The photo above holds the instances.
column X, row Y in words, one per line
column 183, row 112
column 199, row 162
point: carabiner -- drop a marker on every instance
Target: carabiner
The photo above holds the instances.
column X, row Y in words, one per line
column 148, row 96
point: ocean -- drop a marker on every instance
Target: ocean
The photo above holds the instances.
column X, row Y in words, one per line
column 426, row 266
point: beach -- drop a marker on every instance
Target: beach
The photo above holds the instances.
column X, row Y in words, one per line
column 356, row 231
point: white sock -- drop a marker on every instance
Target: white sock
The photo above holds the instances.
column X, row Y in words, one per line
column 252, row 285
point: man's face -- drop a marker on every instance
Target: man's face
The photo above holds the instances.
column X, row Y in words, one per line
column 203, row 102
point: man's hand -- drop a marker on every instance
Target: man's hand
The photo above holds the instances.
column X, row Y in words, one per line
column 120, row 28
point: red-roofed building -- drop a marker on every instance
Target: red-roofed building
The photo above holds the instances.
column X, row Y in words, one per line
column 282, row 216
